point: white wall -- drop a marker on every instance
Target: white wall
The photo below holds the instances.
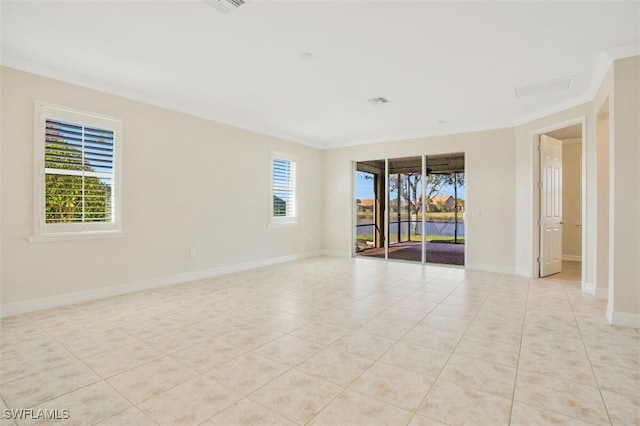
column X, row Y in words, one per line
column 489, row 202
column 571, row 199
column 187, row 183
column 624, row 238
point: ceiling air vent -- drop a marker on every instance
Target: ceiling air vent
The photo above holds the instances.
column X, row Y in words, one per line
column 378, row 101
column 225, row 6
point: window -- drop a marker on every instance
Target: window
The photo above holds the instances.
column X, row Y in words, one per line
column 283, row 190
column 77, row 192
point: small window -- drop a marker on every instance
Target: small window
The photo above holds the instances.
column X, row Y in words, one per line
column 283, row 190
column 77, row 174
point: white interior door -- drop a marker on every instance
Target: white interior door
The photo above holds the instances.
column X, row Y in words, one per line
column 550, row 206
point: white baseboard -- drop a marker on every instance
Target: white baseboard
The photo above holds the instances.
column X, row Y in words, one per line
column 622, row 319
column 336, row 253
column 99, row 293
column 499, row 269
column 523, row 272
column 571, row 258
column 589, row 288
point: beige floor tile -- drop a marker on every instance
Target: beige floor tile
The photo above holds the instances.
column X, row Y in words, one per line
column 37, row 388
column 247, row 413
column 457, row 405
column 247, row 372
column 130, row 417
column 618, row 380
column 351, row 408
column 561, row 365
column 416, row 303
column 285, row 322
column 564, row 340
column 457, row 312
column 481, row 375
column 320, row 332
column 486, row 350
column 205, row 356
column 151, row 379
column 443, row 323
column 345, row 319
column 420, row 420
column 546, row 343
column 434, row 339
column 251, row 336
column 219, row 325
column 99, row 343
column 177, row 340
column 79, row 330
column 505, row 333
column 116, row 361
column 190, row 403
column 394, row 385
column 363, row 344
column 511, row 317
column 526, row 415
column 150, row 328
column 296, row 395
column 25, row 345
column 33, row 363
column 623, row 409
column 6, row 419
column 564, row 397
column 289, row 350
column 335, row 366
column 87, row 405
column 416, row 358
column 362, row 307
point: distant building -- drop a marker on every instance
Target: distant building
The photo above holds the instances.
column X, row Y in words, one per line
column 447, row 201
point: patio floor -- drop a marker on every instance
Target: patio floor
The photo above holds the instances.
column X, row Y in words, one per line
column 449, row 254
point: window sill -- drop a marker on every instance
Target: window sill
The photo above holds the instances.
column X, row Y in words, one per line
column 70, row 236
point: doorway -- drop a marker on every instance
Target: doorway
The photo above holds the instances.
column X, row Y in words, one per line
column 411, row 208
column 560, row 255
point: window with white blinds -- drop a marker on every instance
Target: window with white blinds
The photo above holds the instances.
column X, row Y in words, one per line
column 77, row 187
column 283, row 189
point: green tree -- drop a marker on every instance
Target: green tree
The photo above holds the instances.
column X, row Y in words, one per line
column 72, row 198
column 409, row 189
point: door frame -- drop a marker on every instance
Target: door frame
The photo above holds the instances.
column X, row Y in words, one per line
column 535, row 226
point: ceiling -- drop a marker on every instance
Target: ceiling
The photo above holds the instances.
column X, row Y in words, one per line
column 305, row 70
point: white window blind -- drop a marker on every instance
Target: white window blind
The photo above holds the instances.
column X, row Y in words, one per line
column 79, row 166
column 283, row 203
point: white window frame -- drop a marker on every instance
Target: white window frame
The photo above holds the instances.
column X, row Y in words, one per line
column 275, row 221
column 73, row 231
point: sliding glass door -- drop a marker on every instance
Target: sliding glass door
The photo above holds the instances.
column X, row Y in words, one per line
column 411, row 208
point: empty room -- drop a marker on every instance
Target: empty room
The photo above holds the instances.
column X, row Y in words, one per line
column 251, row 212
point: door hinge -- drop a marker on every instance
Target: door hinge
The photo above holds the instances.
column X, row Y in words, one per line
column 539, row 259
column 539, row 147
column 540, row 184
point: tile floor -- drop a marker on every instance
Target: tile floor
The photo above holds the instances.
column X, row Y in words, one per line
column 329, row 341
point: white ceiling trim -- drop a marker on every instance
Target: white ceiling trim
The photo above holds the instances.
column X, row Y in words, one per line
column 604, row 62
column 64, row 76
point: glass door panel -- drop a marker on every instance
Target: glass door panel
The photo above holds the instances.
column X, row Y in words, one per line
column 404, row 204
column 369, row 207
column 444, row 193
